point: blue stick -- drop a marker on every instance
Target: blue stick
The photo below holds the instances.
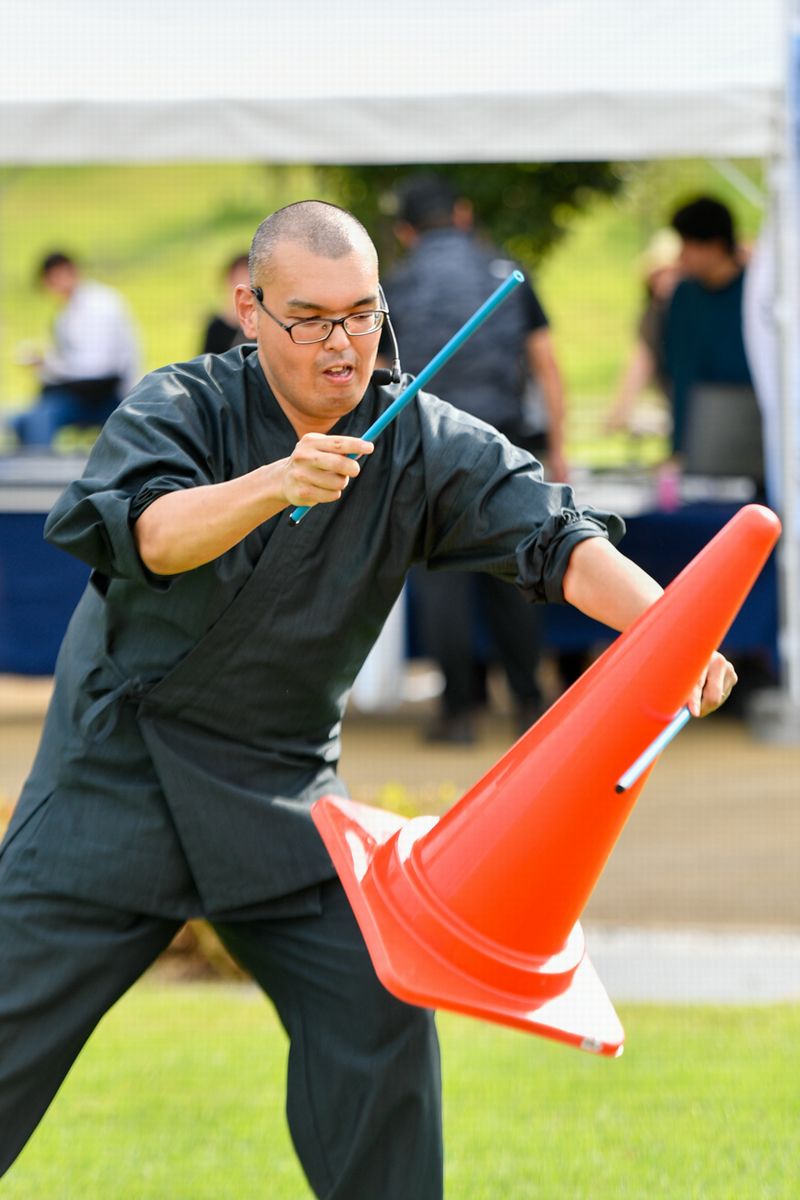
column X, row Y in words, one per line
column 437, row 362
column 653, row 750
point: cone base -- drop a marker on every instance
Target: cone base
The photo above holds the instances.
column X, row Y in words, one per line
column 581, row 1016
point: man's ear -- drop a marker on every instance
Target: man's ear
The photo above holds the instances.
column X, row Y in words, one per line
column 245, row 304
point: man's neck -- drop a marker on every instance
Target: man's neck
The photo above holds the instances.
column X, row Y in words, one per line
column 723, row 273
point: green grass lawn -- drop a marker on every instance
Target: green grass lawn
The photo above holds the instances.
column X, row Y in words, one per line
column 161, row 234
column 179, row 1095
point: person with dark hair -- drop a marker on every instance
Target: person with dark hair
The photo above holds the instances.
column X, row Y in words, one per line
column 705, row 222
column 704, row 346
column 94, row 359
column 445, row 275
column 223, row 330
column 201, row 686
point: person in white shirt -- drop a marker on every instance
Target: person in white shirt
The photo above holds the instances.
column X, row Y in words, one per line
column 93, row 361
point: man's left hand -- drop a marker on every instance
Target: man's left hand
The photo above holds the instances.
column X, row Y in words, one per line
column 713, row 687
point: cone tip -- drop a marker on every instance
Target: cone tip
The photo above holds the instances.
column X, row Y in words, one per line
column 759, row 514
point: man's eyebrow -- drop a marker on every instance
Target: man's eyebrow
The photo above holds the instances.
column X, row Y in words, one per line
column 308, row 306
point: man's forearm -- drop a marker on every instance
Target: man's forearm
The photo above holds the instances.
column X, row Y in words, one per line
column 605, row 585
column 187, row 528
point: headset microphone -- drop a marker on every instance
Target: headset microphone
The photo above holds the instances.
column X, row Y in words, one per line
column 396, row 372
column 382, row 377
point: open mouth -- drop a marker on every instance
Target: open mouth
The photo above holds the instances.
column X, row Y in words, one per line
column 341, row 373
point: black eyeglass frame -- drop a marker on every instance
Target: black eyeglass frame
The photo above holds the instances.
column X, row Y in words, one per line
column 258, row 293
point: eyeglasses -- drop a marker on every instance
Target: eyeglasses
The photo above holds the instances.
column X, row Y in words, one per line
column 319, row 329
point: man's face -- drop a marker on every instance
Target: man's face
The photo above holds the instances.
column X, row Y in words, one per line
column 61, row 280
column 314, row 384
column 701, row 260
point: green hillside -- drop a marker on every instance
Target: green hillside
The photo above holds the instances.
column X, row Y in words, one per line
column 162, row 234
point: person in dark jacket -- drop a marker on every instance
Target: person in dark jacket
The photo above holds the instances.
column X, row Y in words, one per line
column 201, row 684
column 443, row 278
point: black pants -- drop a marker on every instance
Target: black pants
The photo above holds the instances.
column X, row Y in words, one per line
column 451, row 607
column 363, row 1099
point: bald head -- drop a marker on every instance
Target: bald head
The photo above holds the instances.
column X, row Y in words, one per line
column 323, row 229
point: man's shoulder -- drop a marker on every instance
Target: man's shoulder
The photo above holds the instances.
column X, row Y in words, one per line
column 440, row 418
column 216, row 378
column 92, row 294
column 692, row 294
column 433, row 247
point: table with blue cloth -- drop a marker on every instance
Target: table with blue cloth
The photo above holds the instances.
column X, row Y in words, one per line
column 40, row 586
column 662, row 543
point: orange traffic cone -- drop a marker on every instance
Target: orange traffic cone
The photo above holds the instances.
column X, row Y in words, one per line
column 478, row 912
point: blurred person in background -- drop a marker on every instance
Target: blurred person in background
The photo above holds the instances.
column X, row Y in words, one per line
column 93, row 361
column 223, row 330
column 647, row 365
column 446, row 273
column 718, row 425
column 704, row 347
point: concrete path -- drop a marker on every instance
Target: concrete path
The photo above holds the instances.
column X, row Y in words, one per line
column 712, row 848
column 680, row 966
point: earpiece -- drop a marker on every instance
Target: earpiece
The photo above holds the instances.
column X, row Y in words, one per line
column 396, row 373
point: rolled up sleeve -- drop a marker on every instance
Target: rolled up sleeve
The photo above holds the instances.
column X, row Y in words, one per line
column 96, row 528
column 493, row 511
column 543, row 556
column 147, row 447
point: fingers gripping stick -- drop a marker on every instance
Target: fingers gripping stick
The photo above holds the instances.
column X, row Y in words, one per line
column 437, row 362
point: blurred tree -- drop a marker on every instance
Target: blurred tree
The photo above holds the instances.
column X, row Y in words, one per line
column 523, row 207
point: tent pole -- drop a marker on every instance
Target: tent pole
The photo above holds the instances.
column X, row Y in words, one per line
column 736, row 177
column 777, row 716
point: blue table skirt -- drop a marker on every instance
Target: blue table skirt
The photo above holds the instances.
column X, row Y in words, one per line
column 40, row 586
column 662, row 544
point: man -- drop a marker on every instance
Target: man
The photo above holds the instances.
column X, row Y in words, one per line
column 445, row 275
column 94, row 359
column 704, row 341
column 202, row 680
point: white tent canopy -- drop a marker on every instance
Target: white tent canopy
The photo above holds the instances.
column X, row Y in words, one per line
column 425, row 80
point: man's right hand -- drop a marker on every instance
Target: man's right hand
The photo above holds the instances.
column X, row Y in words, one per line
column 186, row 528
column 320, row 468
